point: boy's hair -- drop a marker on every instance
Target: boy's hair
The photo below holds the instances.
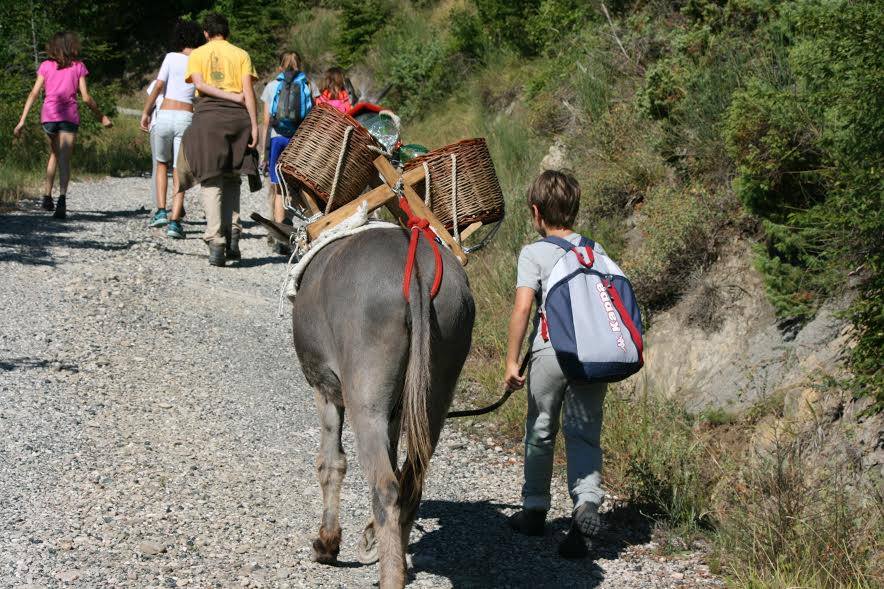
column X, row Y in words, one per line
column 63, row 48
column 333, row 81
column 290, row 60
column 187, row 33
column 557, row 196
column 216, row 25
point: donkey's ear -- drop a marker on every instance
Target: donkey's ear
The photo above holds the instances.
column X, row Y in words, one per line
column 277, row 231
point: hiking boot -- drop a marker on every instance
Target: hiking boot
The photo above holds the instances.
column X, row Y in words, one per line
column 61, row 208
column 216, row 255
column 585, row 525
column 160, row 218
column 48, row 203
column 233, row 252
column 529, row 522
column 175, row 230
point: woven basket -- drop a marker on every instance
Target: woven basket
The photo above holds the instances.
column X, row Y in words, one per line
column 311, row 157
column 478, row 193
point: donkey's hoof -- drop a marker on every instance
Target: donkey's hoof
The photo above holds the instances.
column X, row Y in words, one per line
column 367, row 548
column 324, row 554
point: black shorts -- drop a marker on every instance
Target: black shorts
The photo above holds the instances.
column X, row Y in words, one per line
column 56, row 127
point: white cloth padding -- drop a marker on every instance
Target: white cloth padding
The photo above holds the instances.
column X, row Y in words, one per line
column 356, row 223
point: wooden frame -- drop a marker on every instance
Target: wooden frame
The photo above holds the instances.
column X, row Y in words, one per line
column 384, row 195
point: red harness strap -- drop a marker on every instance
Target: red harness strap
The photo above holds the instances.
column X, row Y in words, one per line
column 419, row 226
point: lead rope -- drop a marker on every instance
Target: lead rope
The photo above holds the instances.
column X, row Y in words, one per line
column 331, row 197
column 418, row 226
column 454, row 198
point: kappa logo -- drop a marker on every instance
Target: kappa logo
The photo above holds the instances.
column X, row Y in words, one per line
column 613, row 319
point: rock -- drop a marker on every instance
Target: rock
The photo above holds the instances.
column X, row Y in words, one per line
column 68, row 576
column 555, row 158
column 151, row 548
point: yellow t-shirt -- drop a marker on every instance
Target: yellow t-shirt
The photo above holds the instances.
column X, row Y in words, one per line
column 221, row 64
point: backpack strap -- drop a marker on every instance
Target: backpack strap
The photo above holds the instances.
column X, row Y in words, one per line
column 566, row 245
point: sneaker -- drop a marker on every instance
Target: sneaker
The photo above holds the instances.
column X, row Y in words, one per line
column 216, row 255
column 61, row 208
column 585, row 525
column 48, row 204
column 528, row 521
column 175, row 230
column 160, row 218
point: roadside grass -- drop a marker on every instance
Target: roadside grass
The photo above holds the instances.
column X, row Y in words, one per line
column 123, row 150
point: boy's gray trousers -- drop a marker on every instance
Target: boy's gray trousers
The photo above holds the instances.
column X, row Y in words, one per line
column 548, row 390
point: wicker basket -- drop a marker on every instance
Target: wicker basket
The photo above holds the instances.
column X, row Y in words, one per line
column 469, row 176
column 320, row 146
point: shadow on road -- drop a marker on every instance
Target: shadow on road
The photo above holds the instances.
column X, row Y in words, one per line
column 27, row 238
column 474, row 547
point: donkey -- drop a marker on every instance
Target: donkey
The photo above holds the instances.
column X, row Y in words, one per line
column 391, row 365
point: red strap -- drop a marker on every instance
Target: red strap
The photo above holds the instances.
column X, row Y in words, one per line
column 590, row 256
column 625, row 317
column 544, row 328
column 419, row 226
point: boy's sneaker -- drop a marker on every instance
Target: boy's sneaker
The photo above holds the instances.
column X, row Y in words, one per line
column 585, row 525
column 175, row 230
column 160, row 218
column 48, row 204
column 61, row 208
column 232, row 251
column 529, row 522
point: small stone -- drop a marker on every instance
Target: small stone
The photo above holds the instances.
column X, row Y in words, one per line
column 677, row 576
column 151, row 548
column 68, row 576
column 164, row 405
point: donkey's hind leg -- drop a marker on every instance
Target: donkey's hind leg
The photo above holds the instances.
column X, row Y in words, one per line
column 374, row 454
column 331, row 466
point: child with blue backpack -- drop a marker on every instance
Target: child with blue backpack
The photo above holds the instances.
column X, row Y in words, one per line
column 287, row 100
column 556, row 377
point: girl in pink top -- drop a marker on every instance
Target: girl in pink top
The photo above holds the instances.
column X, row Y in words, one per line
column 61, row 75
column 333, row 91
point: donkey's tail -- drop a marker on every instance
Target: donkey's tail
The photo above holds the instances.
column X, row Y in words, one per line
column 415, row 420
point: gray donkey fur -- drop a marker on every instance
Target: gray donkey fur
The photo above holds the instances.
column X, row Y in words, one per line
column 392, row 365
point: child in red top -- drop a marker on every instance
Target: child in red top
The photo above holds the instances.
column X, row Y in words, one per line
column 62, row 75
column 333, row 92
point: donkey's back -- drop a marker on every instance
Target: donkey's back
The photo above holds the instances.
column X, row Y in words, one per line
column 392, row 364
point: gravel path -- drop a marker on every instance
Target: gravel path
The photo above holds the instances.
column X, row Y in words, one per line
column 155, row 429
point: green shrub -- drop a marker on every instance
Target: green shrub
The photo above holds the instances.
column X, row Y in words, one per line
column 677, row 225
column 655, row 460
column 359, row 21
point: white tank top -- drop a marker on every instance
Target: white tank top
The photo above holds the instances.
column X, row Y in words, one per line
column 172, row 74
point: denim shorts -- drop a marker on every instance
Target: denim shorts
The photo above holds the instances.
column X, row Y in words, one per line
column 277, row 144
column 56, row 127
column 165, row 136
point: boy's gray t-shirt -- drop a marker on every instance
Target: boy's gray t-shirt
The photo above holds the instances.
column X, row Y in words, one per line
column 536, row 261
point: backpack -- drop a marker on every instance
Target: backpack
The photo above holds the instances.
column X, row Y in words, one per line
column 291, row 103
column 590, row 315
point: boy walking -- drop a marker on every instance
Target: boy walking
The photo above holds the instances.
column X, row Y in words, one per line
column 554, row 199
column 219, row 146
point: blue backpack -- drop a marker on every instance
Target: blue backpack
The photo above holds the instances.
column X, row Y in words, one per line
column 590, row 315
column 291, row 103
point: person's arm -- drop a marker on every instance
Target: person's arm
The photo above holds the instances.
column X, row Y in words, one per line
column 149, row 104
column 90, row 102
column 264, row 130
column 29, row 102
column 248, row 88
column 518, row 326
column 208, row 90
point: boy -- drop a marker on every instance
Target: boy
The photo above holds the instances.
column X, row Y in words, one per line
column 219, row 146
column 554, row 199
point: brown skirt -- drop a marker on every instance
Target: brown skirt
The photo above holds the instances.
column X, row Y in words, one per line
column 216, row 143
